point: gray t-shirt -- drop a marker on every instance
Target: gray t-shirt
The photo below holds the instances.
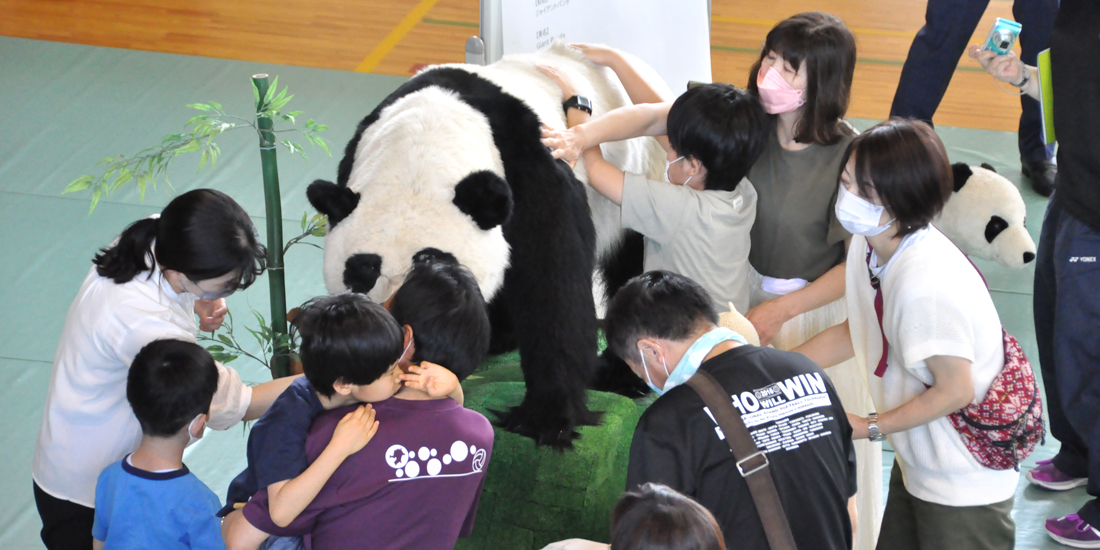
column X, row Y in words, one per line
column 796, row 234
column 703, row 235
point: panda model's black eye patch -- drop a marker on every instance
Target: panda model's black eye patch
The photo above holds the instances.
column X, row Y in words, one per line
column 361, row 272
column 485, row 197
column 994, row 227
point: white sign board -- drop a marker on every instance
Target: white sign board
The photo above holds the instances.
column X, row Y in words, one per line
column 672, row 37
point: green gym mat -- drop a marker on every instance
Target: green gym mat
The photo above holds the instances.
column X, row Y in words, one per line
column 64, row 107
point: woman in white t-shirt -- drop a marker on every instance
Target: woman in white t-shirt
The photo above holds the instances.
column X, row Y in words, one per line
column 942, row 340
column 147, row 285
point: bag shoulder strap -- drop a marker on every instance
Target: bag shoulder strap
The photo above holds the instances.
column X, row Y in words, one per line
column 752, row 463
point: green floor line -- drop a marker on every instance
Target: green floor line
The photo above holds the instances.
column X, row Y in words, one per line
column 451, row 23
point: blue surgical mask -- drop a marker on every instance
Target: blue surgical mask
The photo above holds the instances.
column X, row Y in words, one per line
column 693, row 357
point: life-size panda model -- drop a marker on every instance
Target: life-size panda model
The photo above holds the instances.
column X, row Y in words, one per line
column 451, row 164
column 985, row 217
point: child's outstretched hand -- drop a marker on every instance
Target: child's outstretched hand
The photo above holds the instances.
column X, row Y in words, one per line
column 354, row 431
column 432, row 379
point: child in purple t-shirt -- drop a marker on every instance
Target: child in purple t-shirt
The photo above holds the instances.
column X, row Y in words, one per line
column 334, row 377
column 442, row 310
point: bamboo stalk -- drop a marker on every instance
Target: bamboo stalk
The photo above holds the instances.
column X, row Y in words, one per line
column 272, row 201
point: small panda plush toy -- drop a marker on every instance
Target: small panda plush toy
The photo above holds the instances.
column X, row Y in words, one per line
column 985, row 217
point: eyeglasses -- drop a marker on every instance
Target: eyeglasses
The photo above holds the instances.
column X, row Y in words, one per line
column 211, row 295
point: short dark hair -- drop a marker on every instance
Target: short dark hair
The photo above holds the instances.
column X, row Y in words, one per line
column 724, row 127
column 203, row 234
column 905, row 163
column 169, row 383
column 829, row 50
column 656, row 517
column 442, row 302
column 657, row 304
column 346, row 337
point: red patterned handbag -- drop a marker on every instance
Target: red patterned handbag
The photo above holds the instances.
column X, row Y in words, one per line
column 1006, row 426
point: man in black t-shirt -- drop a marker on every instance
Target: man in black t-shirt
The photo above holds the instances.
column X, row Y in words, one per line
column 664, row 326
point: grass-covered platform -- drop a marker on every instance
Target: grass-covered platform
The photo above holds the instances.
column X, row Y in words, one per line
column 534, row 496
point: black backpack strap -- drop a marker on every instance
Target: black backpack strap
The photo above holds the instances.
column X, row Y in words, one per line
column 752, row 463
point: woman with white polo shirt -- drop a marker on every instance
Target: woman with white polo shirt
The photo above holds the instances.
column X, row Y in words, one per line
column 936, row 347
column 147, row 285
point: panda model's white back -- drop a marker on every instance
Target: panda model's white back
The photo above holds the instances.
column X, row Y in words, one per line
column 517, row 76
column 427, row 141
column 420, row 147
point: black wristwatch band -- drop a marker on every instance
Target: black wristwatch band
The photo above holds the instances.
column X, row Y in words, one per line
column 577, row 102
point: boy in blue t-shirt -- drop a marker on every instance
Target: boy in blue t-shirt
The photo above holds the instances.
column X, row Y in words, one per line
column 334, row 377
column 149, row 499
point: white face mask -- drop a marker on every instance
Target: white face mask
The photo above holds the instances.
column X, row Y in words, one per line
column 858, row 216
column 191, row 439
column 669, row 177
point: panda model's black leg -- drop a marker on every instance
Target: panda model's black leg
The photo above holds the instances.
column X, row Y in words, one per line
column 503, row 339
column 618, row 266
column 614, row 375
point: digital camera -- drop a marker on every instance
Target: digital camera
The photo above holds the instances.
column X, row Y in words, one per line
column 1002, row 36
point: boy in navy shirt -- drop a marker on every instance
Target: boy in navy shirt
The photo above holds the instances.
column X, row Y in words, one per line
column 149, row 499
column 363, row 371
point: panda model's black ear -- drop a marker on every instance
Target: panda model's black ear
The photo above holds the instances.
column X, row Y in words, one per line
column 485, row 197
column 335, row 201
column 989, row 167
column 961, row 172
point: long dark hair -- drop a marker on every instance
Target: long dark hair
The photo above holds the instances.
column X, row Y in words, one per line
column 203, row 234
column 656, row 517
column 829, row 50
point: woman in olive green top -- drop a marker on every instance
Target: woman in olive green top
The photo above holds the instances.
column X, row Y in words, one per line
column 804, row 79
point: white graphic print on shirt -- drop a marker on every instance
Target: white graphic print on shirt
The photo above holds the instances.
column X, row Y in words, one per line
column 407, row 467
column 782, row 403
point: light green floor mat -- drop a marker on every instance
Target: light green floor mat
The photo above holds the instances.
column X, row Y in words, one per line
column 64, row 107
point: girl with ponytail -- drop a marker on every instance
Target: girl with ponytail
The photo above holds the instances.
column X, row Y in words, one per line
column 147, row 285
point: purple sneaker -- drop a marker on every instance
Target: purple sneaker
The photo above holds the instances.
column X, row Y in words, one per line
column 1045, row 475
column 1072, row 531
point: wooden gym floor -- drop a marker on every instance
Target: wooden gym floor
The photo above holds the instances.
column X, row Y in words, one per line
column 398, row 36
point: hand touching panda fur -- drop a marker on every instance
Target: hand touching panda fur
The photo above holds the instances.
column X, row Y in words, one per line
column 452, row 164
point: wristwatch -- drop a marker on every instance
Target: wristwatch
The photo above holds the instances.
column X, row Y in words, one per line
column 577, row 102
column 872, row 428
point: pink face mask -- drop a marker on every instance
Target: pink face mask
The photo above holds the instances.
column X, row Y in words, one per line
column 776, row 94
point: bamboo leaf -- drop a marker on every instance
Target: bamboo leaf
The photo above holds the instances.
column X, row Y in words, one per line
column 199, row 106
column 319, row 232
column 95, row 199
column 203, row 158
column 305, row 216
column 191, row 147
column 310, row 123
column 216, row 105
column 192, row 120
column 320, row 128
column 84, row 182
column 141, row 190
column 271, row 93
column 215, row 348
column 324, row 145
column 225, row 339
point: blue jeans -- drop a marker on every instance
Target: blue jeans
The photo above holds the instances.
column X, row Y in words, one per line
column 1067, row 328
column 282, row 543
column 942, row 41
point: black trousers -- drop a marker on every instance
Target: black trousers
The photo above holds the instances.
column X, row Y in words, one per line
column 938, row 46
column 66, row 525
column 1067, row 314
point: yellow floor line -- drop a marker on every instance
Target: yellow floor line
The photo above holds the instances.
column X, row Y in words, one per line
column 383, row 48
column 764, row 23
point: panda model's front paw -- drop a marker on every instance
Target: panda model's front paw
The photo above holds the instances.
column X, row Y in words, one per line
column 551, row 427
